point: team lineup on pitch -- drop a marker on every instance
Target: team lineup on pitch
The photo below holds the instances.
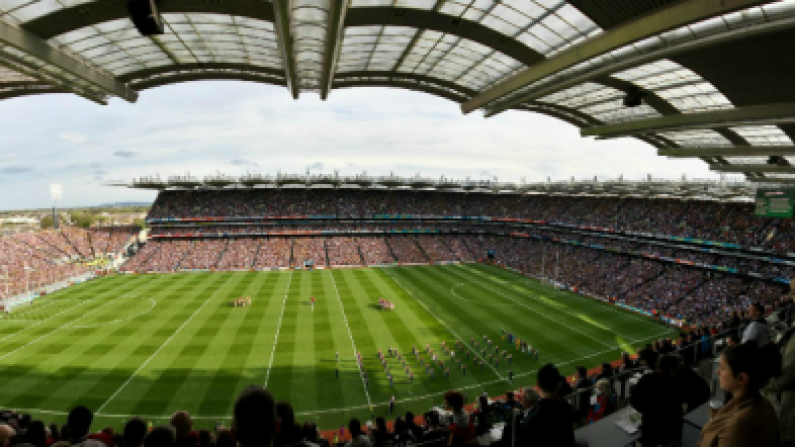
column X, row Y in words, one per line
column 323, row 340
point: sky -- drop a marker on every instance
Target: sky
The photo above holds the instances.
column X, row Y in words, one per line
column 233, row 128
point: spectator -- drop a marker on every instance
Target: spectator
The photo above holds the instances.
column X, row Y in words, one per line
column 255, row 417
column 657, row 399
column 381, row 435
column 461, row 426
column 756, row 330
column 358, row 438
column 78, row 424
column 35, row 435
column 549, row 423
column 289, row 430
column 605, row 401
column 183, row 428
column 225, row 439
column 781, row 390
column 435, row 433
column 749, row 419
column 6, row 433
column 162, row 436
column 54, row 432
column 583, row 390
column 412, row 426
column 514, row 425
column 205, row 439
column 134, row 432
column 692, row 388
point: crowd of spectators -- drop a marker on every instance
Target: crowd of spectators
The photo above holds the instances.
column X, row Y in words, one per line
column 375, row 251
column 32, row 260
column 274, row 252
column 435, row 248
column 309, row 251
column 731, row 222
column 239, row 255
column 343, row 251
column 406, row 250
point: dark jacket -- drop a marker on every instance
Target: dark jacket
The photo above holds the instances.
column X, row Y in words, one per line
column 657, row 399
column 548, row 424
column 693, row 389
column 584, row 398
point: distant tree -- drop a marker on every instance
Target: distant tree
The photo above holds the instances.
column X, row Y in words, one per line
column 46, row 222
column 140, row 223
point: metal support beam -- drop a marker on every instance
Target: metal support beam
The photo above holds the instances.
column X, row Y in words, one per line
column 27, row 51
column 753, row 168
column 736, row 151
column 771, row 180
column 741, row 116
column 281, row 12
column 335, row 32
column 680, row 14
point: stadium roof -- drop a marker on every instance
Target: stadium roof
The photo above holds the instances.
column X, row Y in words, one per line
column 681, row 189
column 716, row 73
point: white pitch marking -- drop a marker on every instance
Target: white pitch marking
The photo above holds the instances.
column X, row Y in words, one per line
column 278, row 328
column 547, row 316
column 350, row 334
column 163, row 345
column 502, row 378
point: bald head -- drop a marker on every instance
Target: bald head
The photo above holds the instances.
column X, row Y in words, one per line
column 6, row 432
column 182, row 423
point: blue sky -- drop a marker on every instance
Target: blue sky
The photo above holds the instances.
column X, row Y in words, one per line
column 237, row 127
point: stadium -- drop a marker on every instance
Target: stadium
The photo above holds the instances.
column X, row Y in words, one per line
column 385, row 310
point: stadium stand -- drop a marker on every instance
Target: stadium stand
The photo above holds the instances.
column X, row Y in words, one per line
column 29, row 261
column 630, row 251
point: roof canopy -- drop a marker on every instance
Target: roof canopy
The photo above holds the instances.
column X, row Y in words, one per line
column 717, row 73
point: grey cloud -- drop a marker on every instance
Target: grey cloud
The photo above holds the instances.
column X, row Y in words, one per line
column 125, row 154
column 15, row 169
column 242, row 162
column 317, row 165
column 94, row 165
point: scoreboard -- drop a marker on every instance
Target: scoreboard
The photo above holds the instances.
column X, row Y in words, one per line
column 775, row 202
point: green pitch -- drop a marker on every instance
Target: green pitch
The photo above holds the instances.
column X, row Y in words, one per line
column 151, row 344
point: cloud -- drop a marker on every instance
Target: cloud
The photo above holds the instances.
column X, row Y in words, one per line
column 15, row 169
column 242, row 162
column 317, row 165
column 73, row 137
column 125, row 154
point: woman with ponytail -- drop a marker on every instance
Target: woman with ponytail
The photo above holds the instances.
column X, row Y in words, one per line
column 749, row 419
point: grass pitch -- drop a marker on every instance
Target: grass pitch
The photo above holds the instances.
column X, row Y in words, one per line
column 151, row 344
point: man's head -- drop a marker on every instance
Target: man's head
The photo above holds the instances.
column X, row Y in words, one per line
column 530, row 398
column 182, row 423
column 668, row 364
column 410, row 418
column 161, row 436
column 309, row 431
column 582, row 373
column 433, row 418
column 134, row 432
column 648, row 357
column 255, row 417
column 756, row 310
column 6, row 433
column 79, row 422
column 548, row 378
column 355, row 427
